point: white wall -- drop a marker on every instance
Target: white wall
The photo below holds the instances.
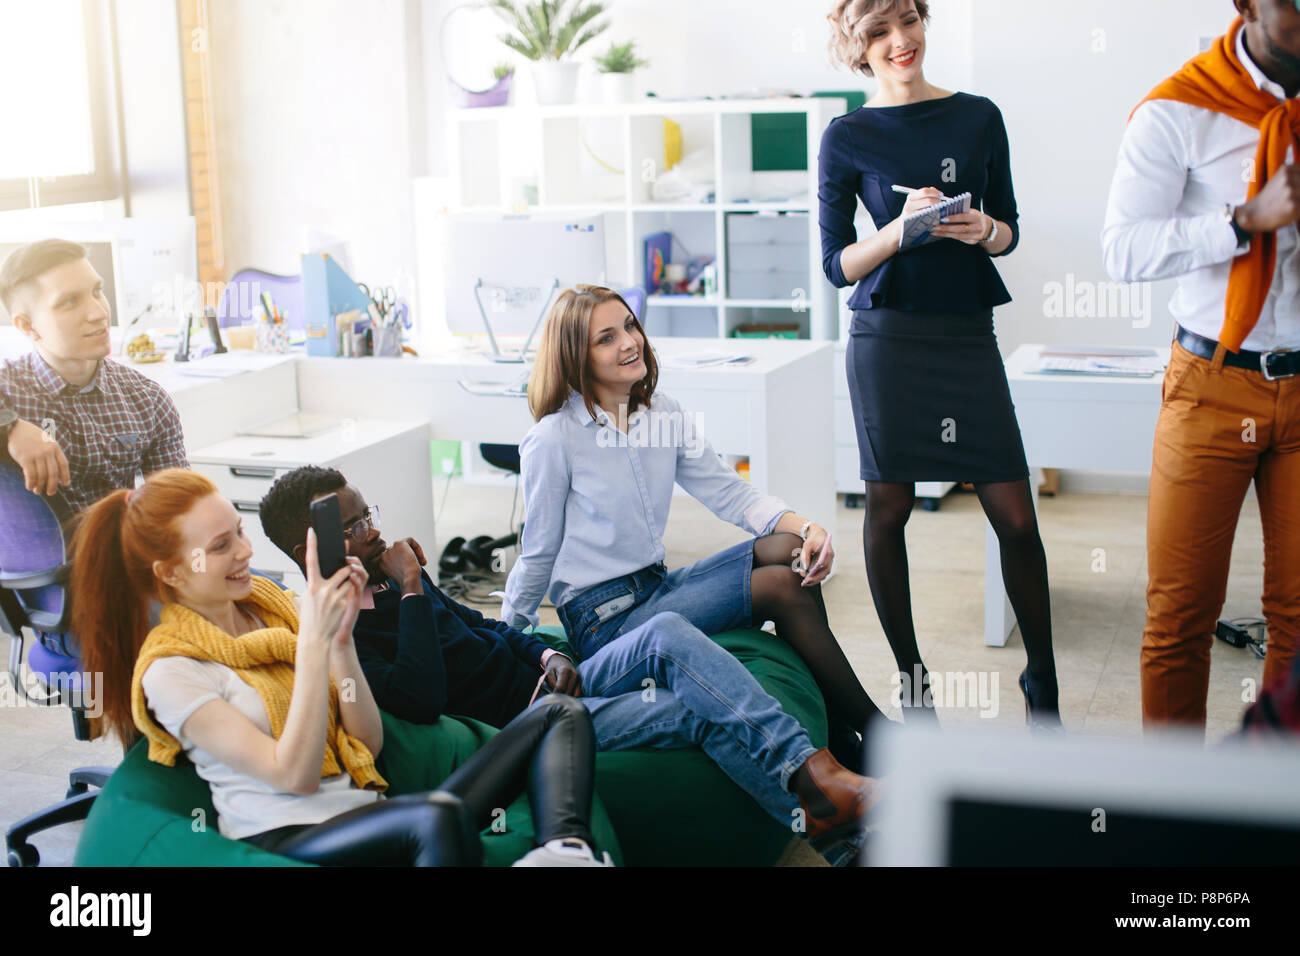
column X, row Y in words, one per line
column 312, row 124
column 704, row 48
column 153, row 113
column 327, row 108
column 1066, row 76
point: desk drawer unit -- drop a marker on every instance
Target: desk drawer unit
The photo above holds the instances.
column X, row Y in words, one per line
column 767, row 256
column 387, row 461
column 245, row 491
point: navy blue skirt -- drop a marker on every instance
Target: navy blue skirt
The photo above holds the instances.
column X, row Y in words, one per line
column 930, row 398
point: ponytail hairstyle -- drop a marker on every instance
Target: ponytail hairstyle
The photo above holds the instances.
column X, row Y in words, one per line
column 561, row 366
column 115, row 544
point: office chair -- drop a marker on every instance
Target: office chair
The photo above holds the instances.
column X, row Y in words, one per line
column 241, row 304
column 33, row 574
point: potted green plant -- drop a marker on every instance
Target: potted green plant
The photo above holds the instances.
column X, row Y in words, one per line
column 548, row 33
column 616, row 66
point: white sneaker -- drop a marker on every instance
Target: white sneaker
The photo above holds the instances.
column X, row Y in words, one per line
column 567, row 852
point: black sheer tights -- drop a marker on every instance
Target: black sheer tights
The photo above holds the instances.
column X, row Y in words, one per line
column 1010, row 510
column 799, row 614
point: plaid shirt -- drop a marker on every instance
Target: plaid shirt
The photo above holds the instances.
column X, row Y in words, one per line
column 118, row 426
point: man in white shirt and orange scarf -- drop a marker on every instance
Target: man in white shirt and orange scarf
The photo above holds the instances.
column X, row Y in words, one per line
column 1207, row 190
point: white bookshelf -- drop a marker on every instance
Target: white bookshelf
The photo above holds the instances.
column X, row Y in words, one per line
column 601, row 158
column 496, row 152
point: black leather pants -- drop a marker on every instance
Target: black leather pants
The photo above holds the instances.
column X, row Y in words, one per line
column 550, row 748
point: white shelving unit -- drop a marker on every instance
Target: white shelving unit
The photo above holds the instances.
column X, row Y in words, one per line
column 606, row 159
column 594, row 158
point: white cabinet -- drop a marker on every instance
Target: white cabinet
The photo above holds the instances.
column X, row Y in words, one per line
column 610, row 158
column 387, row 461
column 760, row 226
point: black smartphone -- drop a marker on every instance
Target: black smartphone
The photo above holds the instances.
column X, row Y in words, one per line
column 331, row 550
column 183, row 340
column 214, row 330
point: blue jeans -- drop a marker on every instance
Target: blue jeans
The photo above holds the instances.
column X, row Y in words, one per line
column 666, row 685
column 713, row 594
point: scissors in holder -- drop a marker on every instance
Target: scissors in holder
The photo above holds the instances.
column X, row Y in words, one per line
column 382, row 296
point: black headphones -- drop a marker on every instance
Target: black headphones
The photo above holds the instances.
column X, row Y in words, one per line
column 464, row 557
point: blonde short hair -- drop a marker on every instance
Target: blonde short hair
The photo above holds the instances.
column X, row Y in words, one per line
column 848, row 20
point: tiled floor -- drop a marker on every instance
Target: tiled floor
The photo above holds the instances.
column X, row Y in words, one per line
column 1097, row 614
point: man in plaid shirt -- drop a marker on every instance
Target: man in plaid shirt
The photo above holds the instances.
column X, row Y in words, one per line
column 69, row 415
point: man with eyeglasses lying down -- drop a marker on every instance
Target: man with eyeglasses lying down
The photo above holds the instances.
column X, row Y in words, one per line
column 424, row 655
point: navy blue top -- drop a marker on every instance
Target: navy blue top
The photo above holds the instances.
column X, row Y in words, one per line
column 427, row 655
column 957, row 144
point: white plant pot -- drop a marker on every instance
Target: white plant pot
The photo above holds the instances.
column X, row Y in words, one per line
column 556, row 81
column 618, row 87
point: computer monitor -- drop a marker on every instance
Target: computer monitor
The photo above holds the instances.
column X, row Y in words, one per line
column 149, row 266
column 503, row 272
column 983, row 797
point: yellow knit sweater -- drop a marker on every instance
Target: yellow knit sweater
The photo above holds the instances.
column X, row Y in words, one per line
column 264, row 660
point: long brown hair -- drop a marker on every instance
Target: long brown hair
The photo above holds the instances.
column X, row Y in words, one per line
column 115, row 544
column 561, row 366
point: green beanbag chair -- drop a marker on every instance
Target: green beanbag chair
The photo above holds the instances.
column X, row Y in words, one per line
column 668, row 807
column 151, row 815
column 675, row 807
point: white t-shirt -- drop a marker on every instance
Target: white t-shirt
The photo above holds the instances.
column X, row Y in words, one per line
column 174, row 688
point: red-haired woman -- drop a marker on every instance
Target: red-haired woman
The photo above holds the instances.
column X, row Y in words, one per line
column 269, row 702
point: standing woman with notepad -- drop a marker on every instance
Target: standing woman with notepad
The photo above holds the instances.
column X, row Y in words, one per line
column 928, row 387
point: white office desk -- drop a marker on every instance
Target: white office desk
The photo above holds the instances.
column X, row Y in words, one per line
column 382, row 450
column 777, row 410
column 251, row 389
column 387, row 460
column 1083, row 422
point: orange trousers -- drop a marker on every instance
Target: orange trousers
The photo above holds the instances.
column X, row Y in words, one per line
column 1219, row 428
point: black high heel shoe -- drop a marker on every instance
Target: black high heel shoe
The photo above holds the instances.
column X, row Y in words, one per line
column 1039, row 721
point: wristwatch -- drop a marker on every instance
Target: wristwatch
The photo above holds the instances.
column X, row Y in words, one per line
column 1230, row 214
column 7, row 418
column 992, row 235
column 803, row 532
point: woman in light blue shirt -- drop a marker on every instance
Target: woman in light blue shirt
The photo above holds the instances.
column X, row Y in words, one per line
column 598, row 471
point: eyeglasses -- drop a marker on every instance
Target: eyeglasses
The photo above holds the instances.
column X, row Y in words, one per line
column 360, row 529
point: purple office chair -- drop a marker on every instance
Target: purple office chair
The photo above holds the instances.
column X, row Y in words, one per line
column 33, row 575
column 635, row 299
column 240, row 303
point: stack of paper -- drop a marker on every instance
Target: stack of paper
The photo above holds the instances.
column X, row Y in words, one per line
column 1131, row 366
column 703, row 360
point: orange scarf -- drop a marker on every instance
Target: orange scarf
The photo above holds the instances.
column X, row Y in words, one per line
column 1217, row 81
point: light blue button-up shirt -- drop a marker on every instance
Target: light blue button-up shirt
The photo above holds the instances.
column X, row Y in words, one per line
column 596, row 500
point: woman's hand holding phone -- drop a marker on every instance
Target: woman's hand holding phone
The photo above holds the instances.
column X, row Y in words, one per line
column 330, row 606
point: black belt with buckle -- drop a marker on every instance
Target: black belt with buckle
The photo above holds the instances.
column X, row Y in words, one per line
column 1280, row 363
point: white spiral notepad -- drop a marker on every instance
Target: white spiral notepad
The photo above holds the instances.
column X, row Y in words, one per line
column 918, row 226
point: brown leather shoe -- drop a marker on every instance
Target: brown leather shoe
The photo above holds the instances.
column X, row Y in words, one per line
column 851, row 796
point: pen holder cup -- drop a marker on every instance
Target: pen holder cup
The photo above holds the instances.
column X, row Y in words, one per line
column 387, row 341
column 351, row 344
column 272, row 337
